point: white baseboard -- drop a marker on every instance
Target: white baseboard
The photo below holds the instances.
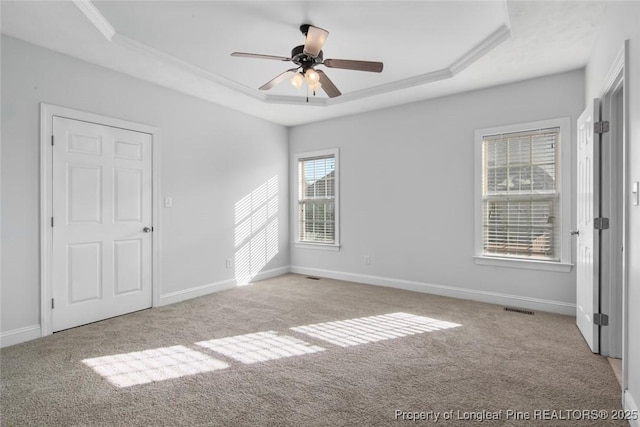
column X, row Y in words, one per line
column 209, row 288
column 28, row 333
column 448, row 291
column 629, row 404
column 198, row 291
column 20, row 335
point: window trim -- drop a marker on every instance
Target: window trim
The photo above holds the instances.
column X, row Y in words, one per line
column 564, row 193
column 335, row 246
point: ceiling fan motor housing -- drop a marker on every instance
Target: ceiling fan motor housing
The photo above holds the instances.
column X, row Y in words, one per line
column 305, row 61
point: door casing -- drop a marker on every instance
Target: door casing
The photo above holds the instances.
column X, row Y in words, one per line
column 47, row 112
column 613, row 284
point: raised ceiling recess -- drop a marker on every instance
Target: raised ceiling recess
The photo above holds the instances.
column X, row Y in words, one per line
column 429, row 48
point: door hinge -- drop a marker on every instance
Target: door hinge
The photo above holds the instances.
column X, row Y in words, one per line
column 51, row 222
column 601, row 223
column 601, row 127
column 52, row 140
column 600, row 319
column 53, row 304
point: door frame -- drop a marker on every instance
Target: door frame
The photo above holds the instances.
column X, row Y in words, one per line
column 616, row 184
column 587, row 168
column 47, row 112
column 614, row 206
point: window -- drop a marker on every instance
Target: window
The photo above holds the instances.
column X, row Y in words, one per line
column 317, row 204
column 522, row 202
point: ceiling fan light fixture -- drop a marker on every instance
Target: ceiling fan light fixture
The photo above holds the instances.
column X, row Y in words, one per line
column 311, row 76
column 314, row 39
column 297, row 80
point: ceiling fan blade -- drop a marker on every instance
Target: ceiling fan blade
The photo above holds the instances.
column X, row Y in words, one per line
column 315, row 40
column 350, row 64
column 279, row 79
column 259, row 56
column 327, row 85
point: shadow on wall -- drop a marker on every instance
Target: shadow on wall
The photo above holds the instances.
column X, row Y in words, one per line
column 256, row 231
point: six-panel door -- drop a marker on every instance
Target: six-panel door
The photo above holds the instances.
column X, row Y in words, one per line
column 102, row 200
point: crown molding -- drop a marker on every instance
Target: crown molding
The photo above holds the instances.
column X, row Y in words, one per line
column 410, row 82
column 142, row 50
column 471, row 56
column 96, row 18
column 297, row 100
column 149, row 52
column 481, row 49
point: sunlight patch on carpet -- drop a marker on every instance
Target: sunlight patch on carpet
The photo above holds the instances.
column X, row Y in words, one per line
column 260, row 347
column 346, row 333
column 142, row 367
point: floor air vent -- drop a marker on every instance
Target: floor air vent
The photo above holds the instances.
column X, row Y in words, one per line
column 519, row 310
column 313, row 278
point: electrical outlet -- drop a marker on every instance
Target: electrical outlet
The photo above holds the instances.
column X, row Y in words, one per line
column 168, row 202
column 229, row 263
column 367, row 259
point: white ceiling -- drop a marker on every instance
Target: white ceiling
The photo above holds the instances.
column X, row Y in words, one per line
column 429, row 48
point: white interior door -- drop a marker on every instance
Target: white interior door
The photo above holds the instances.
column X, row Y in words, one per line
column 102, row 201
column 587, row 262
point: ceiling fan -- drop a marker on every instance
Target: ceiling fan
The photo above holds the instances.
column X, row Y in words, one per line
column 306, row 57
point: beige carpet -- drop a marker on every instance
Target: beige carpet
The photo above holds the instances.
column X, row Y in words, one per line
column 294, row 351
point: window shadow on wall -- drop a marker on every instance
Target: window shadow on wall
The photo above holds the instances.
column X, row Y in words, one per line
column 256, row 231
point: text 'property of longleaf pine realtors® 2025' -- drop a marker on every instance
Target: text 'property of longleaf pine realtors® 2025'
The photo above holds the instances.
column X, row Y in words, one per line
column 511, row 414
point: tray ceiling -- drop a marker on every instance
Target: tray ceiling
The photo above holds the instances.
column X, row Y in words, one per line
column 429, row 48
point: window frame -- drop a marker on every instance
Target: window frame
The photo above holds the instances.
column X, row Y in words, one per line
column 335, row 246
column 563, row 179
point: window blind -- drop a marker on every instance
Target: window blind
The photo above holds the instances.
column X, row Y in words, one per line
column 316, row 199
column 520, row 198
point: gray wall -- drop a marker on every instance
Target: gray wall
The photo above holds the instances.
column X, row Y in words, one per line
column 211, row 159
column 620, row 23
column 407, row 192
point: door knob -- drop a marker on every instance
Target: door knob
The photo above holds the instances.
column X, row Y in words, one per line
column 147, row 229
column 575, row 232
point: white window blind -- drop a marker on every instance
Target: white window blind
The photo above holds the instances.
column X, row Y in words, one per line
column 316, row 199
column 520, row 195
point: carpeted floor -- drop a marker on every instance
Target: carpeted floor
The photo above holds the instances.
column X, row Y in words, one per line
column 294, row 351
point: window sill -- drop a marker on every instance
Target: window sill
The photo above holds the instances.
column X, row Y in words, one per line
column 318, row 246
column 524, row 263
